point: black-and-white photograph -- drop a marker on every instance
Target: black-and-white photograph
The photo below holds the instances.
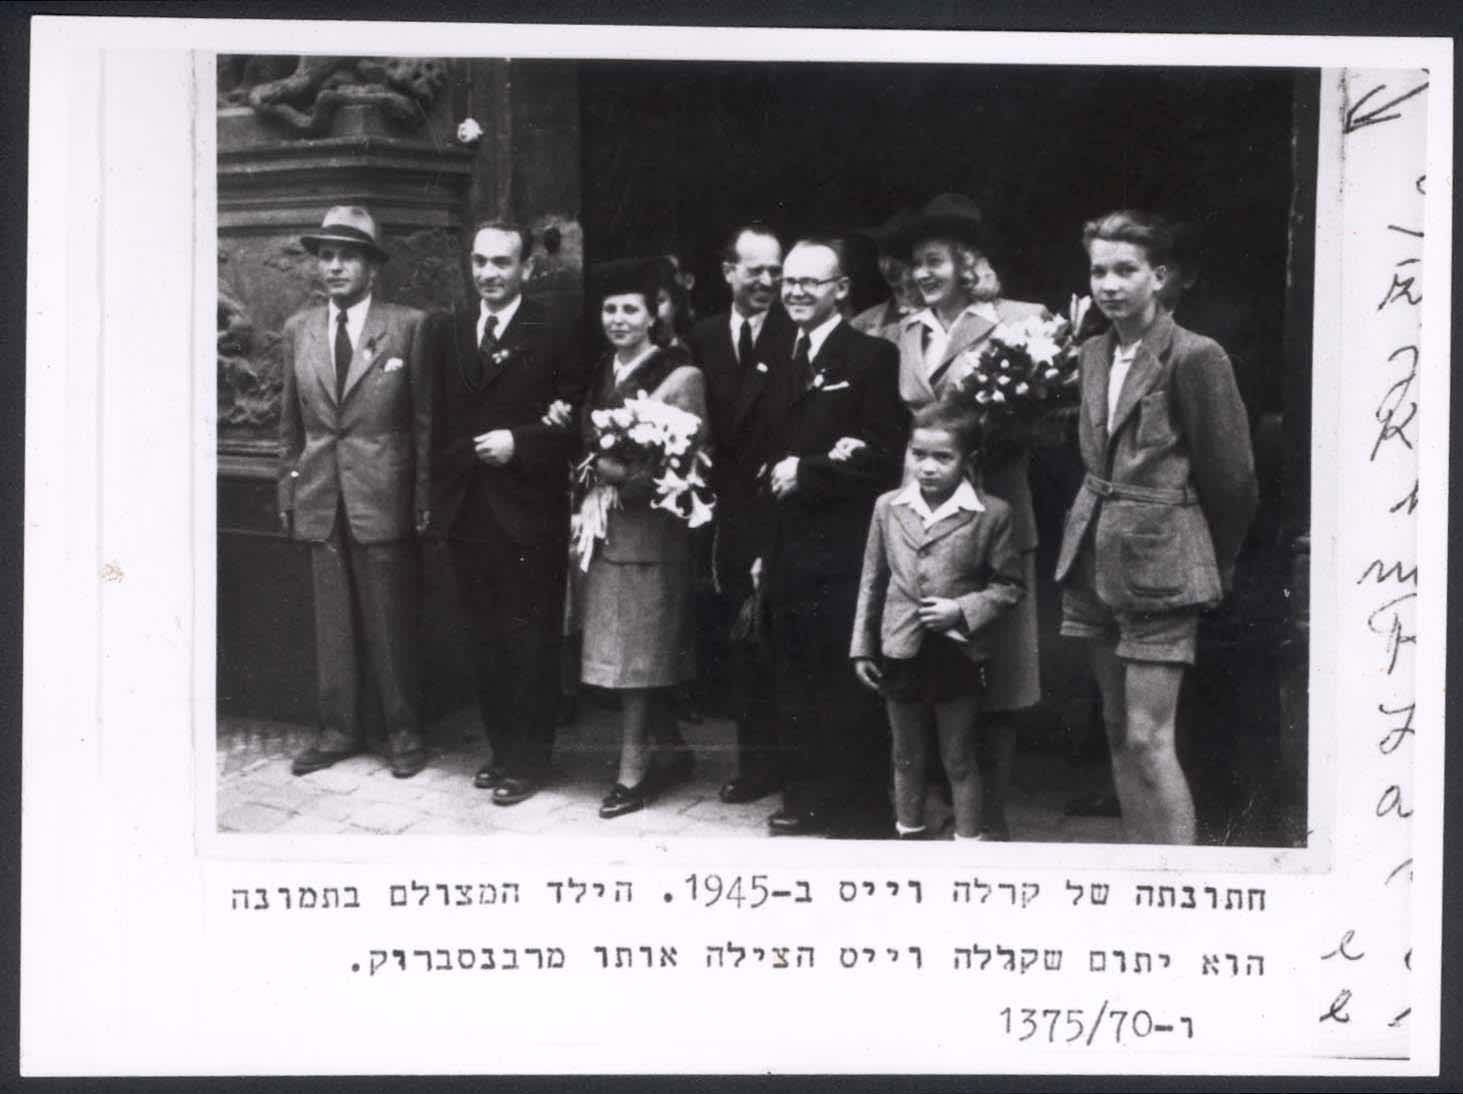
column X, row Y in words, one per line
column 764, row 449
column 522, row 520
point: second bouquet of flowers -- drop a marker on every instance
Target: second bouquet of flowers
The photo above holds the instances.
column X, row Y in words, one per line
column 1024, row 372
column 657, row 442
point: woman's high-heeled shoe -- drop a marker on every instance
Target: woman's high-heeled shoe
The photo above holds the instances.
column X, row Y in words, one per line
column 624, row 799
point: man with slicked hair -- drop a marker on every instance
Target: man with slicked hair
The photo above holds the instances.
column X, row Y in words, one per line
column 743, row 353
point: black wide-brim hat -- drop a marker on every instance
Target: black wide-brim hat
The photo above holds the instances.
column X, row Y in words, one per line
column 347, row 224
column 628, row 275
column 946, row 216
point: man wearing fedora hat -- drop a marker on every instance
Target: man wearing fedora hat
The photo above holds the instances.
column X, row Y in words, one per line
column 355, row 429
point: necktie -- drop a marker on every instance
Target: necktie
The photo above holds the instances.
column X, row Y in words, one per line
column 801, row 363
column 489, row 341
column 744, row 343
column 343, row 353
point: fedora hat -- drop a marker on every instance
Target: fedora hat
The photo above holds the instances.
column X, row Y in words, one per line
column 946, row 216
column 347, row 224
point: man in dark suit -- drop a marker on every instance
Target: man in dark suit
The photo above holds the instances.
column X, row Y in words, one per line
column 500, row 482
column 355, row 433
column 743, row 353
column 840, row 444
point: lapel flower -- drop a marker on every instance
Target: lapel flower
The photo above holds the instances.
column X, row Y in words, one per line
column 369, row 353
column 818, row 380
column 501, row 354
column 469, row 131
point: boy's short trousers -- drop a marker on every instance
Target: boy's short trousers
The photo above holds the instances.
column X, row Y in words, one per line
column 1169, row 637
column 939, row 673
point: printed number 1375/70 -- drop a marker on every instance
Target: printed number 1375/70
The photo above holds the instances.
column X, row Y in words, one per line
column 1055, row 1025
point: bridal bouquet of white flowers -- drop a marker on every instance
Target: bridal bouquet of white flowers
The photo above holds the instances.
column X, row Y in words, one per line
column 1026, row 370
column 654, row 441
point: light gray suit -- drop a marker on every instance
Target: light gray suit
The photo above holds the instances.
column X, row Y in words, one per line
column 354, row 475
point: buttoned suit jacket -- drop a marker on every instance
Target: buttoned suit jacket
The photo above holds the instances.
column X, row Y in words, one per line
column 1007, row 480
column 743, row 408
column 966, row 556
column 368, row 449
column 534, row 364
column 1180, row 433
column 819, row 529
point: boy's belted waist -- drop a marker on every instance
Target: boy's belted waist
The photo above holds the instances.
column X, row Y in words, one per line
column 1155, row 495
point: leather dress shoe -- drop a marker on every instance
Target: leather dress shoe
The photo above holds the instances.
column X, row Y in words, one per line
column 513, row 790
column 797, row 822
column 624, row 799
column 747, row 788
column 406, row 755
column 317, row 759
column 489, row 777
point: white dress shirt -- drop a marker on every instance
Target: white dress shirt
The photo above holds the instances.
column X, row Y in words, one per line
column 505, row 316
column 817, row 336
column 355, row 320
column 753, row 321
column 963, row 498
column 1122, row 361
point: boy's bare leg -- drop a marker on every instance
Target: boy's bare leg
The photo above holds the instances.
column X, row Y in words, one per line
column 907, row 724
column 955, row 722
column 1139, row 707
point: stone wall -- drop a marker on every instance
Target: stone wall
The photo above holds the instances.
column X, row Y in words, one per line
column 296, row 136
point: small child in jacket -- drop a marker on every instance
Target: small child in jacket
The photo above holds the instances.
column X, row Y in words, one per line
column 939, row 568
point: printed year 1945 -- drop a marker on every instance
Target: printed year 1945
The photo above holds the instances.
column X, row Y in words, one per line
column 1071, row 1025
column 734, row 890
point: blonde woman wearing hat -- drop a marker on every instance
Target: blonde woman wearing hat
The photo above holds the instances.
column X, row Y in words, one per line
column 944, row 245
column 355, row 431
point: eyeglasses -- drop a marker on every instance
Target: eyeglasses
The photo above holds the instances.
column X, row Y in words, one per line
column 808, row 284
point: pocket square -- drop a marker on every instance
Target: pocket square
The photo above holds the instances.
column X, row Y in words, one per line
column 761, row 367
column 393, row 364
column 834, row 387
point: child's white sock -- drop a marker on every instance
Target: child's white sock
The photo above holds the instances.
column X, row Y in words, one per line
column 908, row 830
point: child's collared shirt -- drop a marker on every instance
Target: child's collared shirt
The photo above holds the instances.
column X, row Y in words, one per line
column 964, row 498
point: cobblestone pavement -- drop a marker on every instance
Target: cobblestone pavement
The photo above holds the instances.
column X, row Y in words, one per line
column 257, row 793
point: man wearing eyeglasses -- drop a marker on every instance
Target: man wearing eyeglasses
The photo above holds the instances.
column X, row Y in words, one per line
column 840, row 444
column 742, row 352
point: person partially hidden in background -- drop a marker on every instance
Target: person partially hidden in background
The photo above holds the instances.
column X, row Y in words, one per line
column 355, row 433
